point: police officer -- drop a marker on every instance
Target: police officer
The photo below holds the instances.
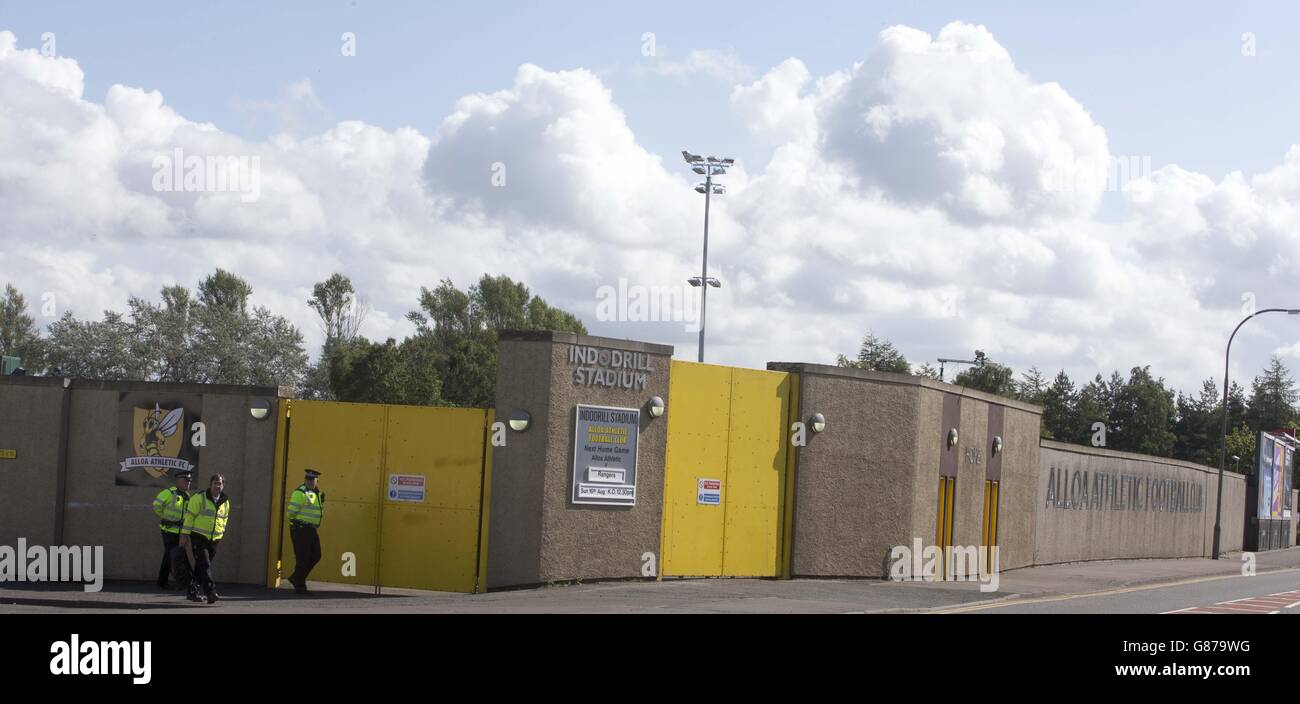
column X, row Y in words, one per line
column 306, row 509
column 206, row 516
column 169, row 506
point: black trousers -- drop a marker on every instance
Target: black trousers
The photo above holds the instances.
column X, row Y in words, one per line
column 204, row 552
column 165, row 569
column 306, row 551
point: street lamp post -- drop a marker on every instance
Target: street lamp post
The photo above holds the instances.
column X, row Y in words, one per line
column 710, row 167
column 1223, row 442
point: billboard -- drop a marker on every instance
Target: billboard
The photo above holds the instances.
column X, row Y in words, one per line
column 604, row 455
column 1276, row 466
column 1288, row 475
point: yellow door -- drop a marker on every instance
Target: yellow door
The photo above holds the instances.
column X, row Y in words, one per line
column 699, row 413
column 990, row 531
column 344, row 441
column 406, row 490
column 726, row 468
column 756, row 446
column 432, row 543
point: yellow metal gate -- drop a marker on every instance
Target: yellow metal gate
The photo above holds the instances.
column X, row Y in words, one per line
column 726, row 479
column 406, row 491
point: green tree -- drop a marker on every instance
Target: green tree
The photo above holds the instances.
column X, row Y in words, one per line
column 1241, row 442
column 1197, row 427
column 106, row 349
column 1091, row 405
column 383, row 372
column 214, row 339
column 1032, row 387
column 460, row 330
column 988, row 376
column 928, row 371
column 222, row 289
column 366, row 372
column 232, row 345
column 340, row 310
column 1060, row 419
column 18, row 334
column 1273, row 398
column 877, row 354
column 167, row 334
column 341, row 314
column 1142, row 415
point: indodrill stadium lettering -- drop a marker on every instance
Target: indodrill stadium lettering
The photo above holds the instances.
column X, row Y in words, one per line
column 1121, row 492
column 612, row 369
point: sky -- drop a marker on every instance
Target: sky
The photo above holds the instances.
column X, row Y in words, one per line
column 936, row 175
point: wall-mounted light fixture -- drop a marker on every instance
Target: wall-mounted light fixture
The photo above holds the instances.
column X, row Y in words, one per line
column 953, row 437
column 997, row 444
column 655, row 406
column 259, row 409
column 818, row 422
column 519, row 420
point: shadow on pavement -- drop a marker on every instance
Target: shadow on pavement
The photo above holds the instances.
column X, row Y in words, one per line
column 136, row 596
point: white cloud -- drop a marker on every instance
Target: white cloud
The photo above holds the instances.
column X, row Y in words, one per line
column 916, row 193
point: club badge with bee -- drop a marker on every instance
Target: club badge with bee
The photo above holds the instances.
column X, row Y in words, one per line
column 159, row 446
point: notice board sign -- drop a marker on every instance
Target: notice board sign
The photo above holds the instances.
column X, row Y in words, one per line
column 708, row 492
column 406, row 488
column 604, row 455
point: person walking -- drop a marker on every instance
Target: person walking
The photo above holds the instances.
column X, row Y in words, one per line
column 306, row 510
column 206, row 517
column 169, row 506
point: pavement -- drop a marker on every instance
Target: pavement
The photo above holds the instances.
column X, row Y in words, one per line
column 1113, row 586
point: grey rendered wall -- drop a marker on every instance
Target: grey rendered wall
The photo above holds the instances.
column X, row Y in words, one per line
column 1233, row 523
column 1019, row 477
column 1066, row 534
column 540, row 536
column 853, row 495
column 519, row 468
column 30, row 422
column 1017, row 519
column 120, row 518
column 870, row 481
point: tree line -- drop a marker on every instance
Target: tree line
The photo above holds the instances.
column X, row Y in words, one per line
column 214, row 336
column 1138, row 412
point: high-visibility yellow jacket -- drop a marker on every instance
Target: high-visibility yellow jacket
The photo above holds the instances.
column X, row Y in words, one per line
column 169, row 506
column 307, row 506
column 206, row 517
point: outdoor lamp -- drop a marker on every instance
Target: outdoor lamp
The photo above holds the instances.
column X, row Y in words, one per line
column 656, row 407
column 818, row 422
column 259, row 409
column 997, row 444
column 952, row 437
column 519, row 420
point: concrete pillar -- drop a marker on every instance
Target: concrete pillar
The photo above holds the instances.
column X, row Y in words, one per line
column 537, row 534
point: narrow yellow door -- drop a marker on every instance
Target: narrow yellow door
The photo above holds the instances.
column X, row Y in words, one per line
column 725, row 474
column 433, row 473
column 345, row 441
column 699, row 410
column 756, row 465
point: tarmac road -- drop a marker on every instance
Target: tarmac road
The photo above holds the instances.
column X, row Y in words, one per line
column 1269, row 593
column 1117, row 586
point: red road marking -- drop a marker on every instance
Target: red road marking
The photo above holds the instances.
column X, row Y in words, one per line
column 1266, row 604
